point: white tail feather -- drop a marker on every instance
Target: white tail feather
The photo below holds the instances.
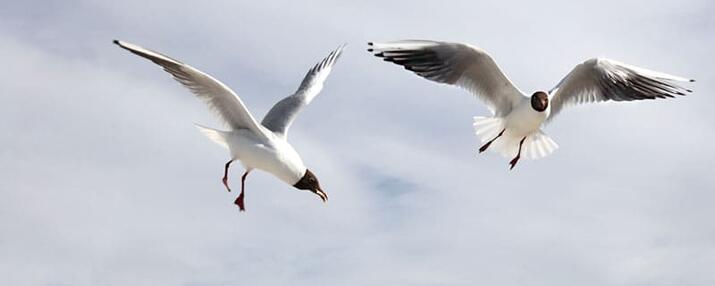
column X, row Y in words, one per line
column 536, row 145
column 217, row 136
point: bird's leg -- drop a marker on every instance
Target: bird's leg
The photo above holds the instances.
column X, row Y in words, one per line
column 484, row 148
column 225, row 175
column 239, row 200
column 518, row 155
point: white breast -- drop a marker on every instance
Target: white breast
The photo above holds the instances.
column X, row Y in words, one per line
column 524, row 120
column 275, row 156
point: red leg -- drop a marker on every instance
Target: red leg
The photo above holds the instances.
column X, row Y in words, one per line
column 225, row 175
column 518, row 155
column 239, row 200
column 484, row 148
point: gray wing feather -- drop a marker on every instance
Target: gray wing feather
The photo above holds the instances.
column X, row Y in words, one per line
column 456, row 64
column 602, row 79
column 282, row 114
column 220, row 99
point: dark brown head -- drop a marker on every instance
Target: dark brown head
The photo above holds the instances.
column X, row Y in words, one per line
column 539, row 101
column 310, row 182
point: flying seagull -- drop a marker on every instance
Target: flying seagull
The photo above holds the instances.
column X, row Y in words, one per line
column 515, row 126
column 264, row 145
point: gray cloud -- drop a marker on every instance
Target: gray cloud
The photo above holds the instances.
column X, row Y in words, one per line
column 105, row 181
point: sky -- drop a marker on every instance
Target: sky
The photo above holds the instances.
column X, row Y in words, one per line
column 104, row 180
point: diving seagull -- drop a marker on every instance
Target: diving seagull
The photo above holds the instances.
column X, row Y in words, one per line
column 264, row 145
column 515, row 125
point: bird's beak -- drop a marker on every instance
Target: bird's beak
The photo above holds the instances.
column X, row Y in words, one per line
column 323, row 196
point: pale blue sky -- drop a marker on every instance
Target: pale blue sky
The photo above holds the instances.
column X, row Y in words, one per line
column 105, row 181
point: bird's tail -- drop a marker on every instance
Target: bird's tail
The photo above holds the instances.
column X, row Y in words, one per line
column 217, row 136
column 536, row 145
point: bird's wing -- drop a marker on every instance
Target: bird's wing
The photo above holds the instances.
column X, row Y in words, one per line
column 602, row 79
column 457, row 64
column 280, row 117
column 220, row 98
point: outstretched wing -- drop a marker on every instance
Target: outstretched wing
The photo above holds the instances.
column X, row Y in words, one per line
column 282, row 114
column 602, row 79
column 221, row 99
column 457, row 64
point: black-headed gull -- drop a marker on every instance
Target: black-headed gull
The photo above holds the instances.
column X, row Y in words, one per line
column 517, row 118
column 264, row 145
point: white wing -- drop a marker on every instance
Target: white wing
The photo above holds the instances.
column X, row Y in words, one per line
column 602, row 79
column 280, row 117
column 221, row 99
column 462, row 65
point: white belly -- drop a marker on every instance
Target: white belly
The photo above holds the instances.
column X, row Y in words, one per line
column 523, row 123
column 524, row 120
column 276, row 157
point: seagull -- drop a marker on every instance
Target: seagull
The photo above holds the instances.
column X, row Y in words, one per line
column 515, row 125
column 263, row 146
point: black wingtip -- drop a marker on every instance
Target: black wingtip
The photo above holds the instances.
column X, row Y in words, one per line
column 689, row 90
column 369, row 44
column 692, row 80
column 116, row 42
column 370, row 50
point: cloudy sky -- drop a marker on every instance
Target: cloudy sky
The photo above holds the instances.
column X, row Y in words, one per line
column 105, row 181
